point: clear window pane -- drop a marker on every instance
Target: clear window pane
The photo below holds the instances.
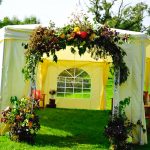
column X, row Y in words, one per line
column 74, row 83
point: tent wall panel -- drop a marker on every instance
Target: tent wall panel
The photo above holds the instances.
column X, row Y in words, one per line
column 95, row 71
column 1, row 63
column 134, row 86
column 12, row 78
column 147, row 69
column 147, row 74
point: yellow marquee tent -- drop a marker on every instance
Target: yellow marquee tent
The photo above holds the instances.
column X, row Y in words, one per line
column 12, row 81
column 147, row 70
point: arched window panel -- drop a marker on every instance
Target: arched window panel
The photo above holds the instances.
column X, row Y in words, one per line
column 74, row 83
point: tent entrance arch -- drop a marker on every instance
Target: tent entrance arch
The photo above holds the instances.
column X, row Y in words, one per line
column 97, row 71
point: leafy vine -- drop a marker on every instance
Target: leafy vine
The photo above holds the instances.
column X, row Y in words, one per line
column 81, row 34
column 119, row 129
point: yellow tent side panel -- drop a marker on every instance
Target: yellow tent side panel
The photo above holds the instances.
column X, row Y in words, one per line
column 95, row 71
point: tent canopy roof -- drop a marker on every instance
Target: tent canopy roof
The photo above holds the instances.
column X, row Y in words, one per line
column 24, row 31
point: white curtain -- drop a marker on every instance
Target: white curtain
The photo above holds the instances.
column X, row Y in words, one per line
column 133, row 88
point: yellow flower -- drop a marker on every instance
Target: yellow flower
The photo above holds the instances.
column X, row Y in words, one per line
column 92, row 36
column 62, row 36
column 15, row 137
column 76, row 29
column 32, row 116
column 27, row 111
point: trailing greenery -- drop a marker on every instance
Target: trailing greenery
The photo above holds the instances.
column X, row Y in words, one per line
column 80, row 33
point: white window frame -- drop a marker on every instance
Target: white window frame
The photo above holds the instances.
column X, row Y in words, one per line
column 74, row 79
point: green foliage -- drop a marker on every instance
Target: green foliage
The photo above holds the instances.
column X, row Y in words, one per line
column 15, row 21
column 119, row 128
column 22, row 120
column 148, row 30
column 126, row 17
column 80, row 34
column 30, row 20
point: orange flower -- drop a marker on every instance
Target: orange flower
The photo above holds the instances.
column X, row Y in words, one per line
column 30, row 124
column 62, row 36
column 72, row 35
column 17, row 117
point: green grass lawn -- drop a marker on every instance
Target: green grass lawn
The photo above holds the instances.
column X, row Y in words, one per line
column 75, row 95
column 109, row 92
column 70, row 129
column 67, row 129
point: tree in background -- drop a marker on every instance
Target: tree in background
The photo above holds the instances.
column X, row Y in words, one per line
column 127, row 17
column 148, row 30
column 16, row 21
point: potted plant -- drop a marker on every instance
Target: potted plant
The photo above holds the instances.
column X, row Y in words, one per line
column 52, row 93
column 22, row 119
column 52, row 103
column 119, row 128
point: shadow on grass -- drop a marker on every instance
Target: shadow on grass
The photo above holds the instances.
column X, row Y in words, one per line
column 44, row 140
column 52, row 140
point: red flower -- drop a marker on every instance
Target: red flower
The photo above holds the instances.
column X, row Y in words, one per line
column 82, row 34
column 3, row 120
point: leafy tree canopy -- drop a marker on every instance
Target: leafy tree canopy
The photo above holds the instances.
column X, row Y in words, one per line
column 16, row 21
column 125, row 16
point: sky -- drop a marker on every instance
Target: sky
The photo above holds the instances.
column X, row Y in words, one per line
column 45, row 10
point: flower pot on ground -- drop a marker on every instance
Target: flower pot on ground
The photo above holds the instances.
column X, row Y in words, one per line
column 119, row 128
column 52, row 103
column 22, row 119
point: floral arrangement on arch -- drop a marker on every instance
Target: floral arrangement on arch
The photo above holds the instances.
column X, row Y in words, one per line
column 22, row 120
column 99, row 41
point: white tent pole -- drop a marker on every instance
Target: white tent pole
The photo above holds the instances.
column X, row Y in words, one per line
column 116, row 89
column 33, row 87
column 142, row 87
